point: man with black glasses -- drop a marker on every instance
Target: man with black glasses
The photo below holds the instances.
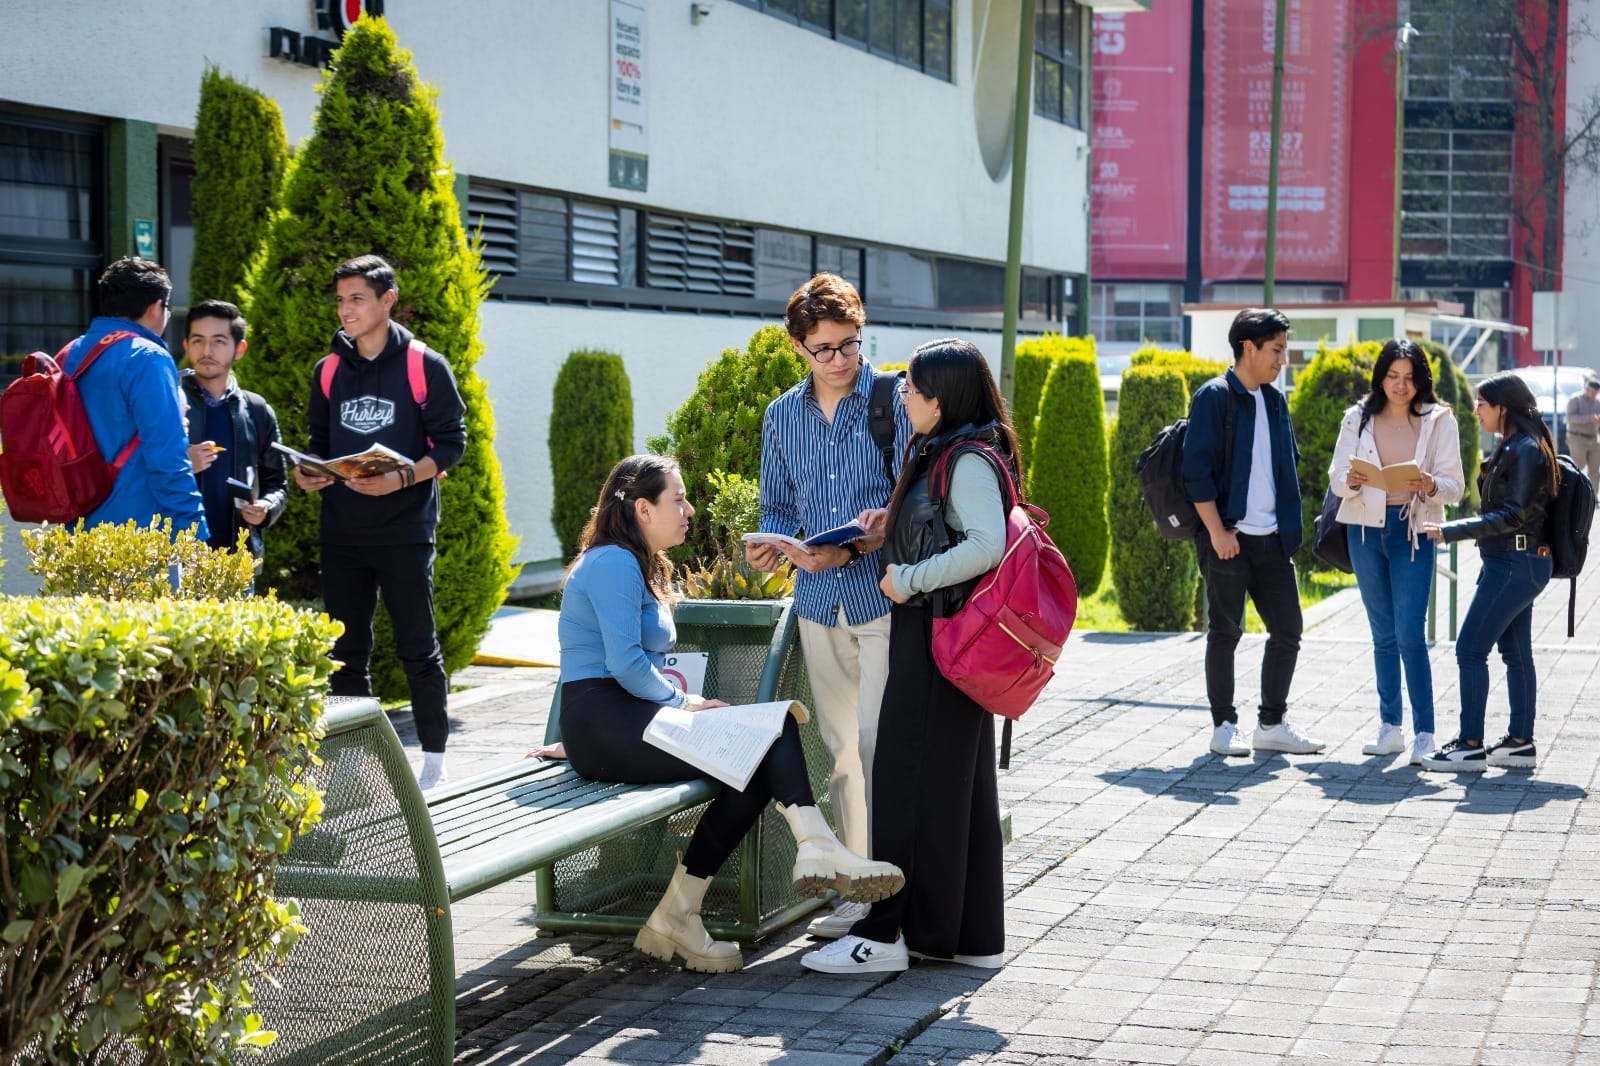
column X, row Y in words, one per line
column 820, row 468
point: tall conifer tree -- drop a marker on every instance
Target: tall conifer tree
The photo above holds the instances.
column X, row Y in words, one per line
column 373, row 178
column 240, row 153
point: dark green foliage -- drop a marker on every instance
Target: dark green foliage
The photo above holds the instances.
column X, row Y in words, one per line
column 1451, row 386
column 1068, row 476
column 149, row 760
column 719, row 426
column 1195, row 370
column 1323, row 391
column 1155, row 578
column 591, row 427
column 1032, row 368
column 240, row 154
column 373, row 178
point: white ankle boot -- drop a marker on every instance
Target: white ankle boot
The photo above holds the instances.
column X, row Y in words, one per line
column 675, row 927
column 821, row 862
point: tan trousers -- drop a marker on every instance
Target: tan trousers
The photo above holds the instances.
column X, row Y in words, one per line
column 1585, row 452
column 848, row 667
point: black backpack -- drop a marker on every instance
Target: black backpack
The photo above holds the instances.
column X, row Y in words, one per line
column 1566, row 529
column 1160, row 470
column 880, row 419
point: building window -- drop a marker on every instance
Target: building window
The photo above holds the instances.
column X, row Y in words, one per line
column 1461, row 54
column 913, row 33
column 51, row 197
column 1058, row 43
column 1455, row 192
column 1137, row 313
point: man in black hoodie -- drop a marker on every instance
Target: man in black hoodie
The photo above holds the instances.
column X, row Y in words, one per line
column 384, row 387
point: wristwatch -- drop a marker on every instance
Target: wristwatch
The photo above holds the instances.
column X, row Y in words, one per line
column 855, row 552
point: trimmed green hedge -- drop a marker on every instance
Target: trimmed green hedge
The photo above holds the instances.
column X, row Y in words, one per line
column 1323, row 391
column 1032, row 367
column 240, row 153
column 149, row 760
column 591, row 427
column 373, row 178
column 1068, row 475
column 1156, row 579
column 719, row 426
column 1450, row 384
column 1195, row 370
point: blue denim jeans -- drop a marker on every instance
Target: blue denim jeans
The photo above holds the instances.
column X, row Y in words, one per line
column 1394, row 589
column 1501, row 615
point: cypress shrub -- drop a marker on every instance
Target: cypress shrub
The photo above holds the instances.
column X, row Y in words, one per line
column 719, row 426
column 1450, row 384
column 1068, row 476
column 1323, row 391
column 1195, row 370
column 1155, row 578
column 373, row 178
column 1031, row 369
column 240, row 153
column 591, row 427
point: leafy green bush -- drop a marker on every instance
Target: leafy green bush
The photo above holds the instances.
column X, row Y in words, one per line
column 1195, row 370
column 719, row 426
column 1068, row 476
column 149, row 754
column 1323, row 391
column 1156, row 579
column 1032, row 367
column 373, row 178
column 240, row 153
column 1450, row 384
column 128, row 562
column 591, row 427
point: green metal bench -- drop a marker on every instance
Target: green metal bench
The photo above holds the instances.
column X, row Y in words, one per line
column 373, row 978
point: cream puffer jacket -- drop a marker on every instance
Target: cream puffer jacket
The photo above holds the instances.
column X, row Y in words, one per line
column 1438, row 453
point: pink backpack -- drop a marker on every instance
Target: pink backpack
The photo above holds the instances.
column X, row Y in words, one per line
column 1001, row 647
column 414, row 374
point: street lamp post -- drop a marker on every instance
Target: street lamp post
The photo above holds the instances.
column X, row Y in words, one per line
column 1269, row 276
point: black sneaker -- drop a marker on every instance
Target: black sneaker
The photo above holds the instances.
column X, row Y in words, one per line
column 1459, row 757
column 1513, row 755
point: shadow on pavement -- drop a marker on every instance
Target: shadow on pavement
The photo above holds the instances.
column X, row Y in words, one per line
column 1207, row 779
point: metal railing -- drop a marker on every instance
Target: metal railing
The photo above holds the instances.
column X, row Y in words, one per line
column 1452, row 574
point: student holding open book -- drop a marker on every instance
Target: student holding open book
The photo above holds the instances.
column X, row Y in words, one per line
column 615, row 629
column 1397, row 464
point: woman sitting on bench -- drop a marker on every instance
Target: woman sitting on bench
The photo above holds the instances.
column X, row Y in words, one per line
column 615, row 628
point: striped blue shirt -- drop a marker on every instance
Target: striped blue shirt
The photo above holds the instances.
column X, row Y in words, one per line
column 816, row 475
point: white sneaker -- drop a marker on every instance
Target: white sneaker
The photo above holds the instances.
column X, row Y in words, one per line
column 1391, row 741
column 1227, row 740
column 981, row 962
column 837, row 922
column 1421, row 748
column 1286, row 738
column 433, row 773
column 854, row 954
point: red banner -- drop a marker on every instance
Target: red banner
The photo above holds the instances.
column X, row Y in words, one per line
column 1314, row 159
column 1139, row 191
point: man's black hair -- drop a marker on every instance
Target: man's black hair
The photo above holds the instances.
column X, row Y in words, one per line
column 130, row 285
column 1256, row 325
column 379, row 274
column 222, row 309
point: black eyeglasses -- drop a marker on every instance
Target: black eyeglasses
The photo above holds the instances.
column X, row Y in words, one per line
column 829, row 352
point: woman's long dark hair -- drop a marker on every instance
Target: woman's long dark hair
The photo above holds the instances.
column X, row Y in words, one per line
column 615, row 520
column 1511, row 394
column 1421, row 378
column 955, row 373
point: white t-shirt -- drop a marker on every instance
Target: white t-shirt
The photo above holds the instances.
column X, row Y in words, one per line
column 1261, row 502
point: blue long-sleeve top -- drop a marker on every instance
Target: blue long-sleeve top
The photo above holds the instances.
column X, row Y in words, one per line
column 611, row 626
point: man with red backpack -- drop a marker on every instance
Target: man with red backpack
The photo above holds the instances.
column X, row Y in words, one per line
column 130, row 394
column 379, row 385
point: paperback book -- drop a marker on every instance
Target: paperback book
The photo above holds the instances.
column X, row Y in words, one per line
column 370, row 463
column 726, row 743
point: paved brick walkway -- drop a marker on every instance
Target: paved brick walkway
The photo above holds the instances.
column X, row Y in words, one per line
column 1166, row 906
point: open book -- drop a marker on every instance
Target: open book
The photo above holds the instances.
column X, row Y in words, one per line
column 1391, row 479
column 727, row 743
column 837, row 535
column 370, row 463
column 244, row 492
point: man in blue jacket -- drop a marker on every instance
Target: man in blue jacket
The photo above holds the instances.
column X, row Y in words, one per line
column 378, row 532
column 1247, row 493
column 131, row 396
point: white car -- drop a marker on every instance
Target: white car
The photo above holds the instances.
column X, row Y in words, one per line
column 1553, row 386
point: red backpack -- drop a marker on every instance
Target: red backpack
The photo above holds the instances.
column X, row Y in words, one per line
column 1001, row 647
column 51, row 469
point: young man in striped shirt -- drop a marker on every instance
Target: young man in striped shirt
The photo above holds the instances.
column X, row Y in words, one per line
column 820, row 468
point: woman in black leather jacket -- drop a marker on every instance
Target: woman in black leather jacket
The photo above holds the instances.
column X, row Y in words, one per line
column 1515, row 485
column 935, row 798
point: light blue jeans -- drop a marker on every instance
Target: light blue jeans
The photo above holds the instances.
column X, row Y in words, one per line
column 1394, row 589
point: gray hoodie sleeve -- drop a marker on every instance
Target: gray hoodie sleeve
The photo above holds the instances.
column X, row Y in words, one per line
column 975, row 508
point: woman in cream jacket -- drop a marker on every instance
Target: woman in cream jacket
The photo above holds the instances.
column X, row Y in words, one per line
column 1399, row 421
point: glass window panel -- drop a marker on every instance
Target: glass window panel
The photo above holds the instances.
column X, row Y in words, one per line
column 47, row 177
column 1047, row 27
column 41, row 308
column 1374, row 329
column 900, row 279
column 783, row 263
column 628, row 246
column 1311, row 330
column 936, row 39
column 882, row 28
column 781, row 7
column 816, row 13
column 850, row 20
column 1072, row 32
column 908, row 32
column 177, row 250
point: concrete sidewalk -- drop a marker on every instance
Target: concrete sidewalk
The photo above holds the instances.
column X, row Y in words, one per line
column 1166, row 905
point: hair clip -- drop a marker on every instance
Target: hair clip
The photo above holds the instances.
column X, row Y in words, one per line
column 619, row 495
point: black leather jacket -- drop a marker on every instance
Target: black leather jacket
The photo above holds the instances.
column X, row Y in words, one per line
column 1514, row 489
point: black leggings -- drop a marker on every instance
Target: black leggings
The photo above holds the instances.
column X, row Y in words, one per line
column 602, row 725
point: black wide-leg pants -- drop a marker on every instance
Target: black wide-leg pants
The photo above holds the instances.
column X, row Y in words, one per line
column 935, row 806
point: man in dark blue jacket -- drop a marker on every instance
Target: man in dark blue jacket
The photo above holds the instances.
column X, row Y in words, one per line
column 1247, row 493
column 377, row 532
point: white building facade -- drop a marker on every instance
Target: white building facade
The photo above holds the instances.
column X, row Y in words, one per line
column 775, row 138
